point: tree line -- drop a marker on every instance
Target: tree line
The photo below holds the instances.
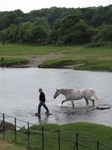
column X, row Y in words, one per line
column 58, row 26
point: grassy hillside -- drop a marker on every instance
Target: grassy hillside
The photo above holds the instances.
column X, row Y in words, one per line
column 88, row 135
column 7, row 146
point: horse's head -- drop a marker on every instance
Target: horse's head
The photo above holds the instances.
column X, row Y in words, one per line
column 56, row 93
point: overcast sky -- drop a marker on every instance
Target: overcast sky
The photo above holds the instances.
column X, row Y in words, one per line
column 28, row 5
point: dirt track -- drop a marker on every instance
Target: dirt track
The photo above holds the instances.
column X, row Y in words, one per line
column 35, row 60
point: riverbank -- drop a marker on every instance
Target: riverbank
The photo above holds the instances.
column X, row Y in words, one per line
column 34, row 61
column 72, row 57
column 55, row 60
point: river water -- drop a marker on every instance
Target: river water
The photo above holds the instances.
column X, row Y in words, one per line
column 19, row 95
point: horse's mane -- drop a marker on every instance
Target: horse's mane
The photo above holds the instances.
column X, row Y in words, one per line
column 62, row 90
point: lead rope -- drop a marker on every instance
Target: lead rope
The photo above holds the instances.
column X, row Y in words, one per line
column 50, row 100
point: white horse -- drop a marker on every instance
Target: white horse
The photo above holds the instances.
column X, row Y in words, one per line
column 77, row 94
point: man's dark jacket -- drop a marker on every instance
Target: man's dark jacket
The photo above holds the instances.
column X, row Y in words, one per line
column 42, row 97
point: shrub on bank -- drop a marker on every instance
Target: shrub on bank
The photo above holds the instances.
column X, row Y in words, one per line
column 11, row 62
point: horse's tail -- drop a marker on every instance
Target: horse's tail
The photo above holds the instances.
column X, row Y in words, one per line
column 94, row 94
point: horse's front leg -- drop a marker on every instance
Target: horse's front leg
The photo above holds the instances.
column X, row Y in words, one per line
column 72, row 103
column 68, row 100
column 87, row 102
column 64, row 101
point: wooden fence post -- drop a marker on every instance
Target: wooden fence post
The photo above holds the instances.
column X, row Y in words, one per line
column 28, row 135
column 59, row 139
column 76, row 143
column 15, row 131
column 3, row 126
column 77, row 140
column 97, row 145
column 42, row 138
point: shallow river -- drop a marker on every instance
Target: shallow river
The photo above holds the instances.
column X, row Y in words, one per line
column 19, row 95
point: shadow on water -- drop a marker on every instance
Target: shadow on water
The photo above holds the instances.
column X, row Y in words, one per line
column 42, row 118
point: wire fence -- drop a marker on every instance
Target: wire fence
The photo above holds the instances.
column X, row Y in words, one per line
column 42, row 137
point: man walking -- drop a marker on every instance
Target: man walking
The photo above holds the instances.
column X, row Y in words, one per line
column 42, row 100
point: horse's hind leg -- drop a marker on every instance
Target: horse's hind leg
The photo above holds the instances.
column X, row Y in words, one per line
column 92, row 101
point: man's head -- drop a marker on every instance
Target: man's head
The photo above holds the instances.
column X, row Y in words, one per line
column 40, row 90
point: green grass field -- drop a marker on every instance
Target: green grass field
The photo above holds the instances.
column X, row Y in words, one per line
column 23, row 49
column 95, row 59
column 88, row 135
column 7, row 146
column 79, row 52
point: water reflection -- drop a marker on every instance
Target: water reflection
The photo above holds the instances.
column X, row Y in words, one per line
column 19, row 94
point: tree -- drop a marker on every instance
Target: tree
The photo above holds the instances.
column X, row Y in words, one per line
column 10, row 17
column 54, row 33
column 9, row 34
column 41, row 22
column 39, row 35
column 104, row 34
column 73, row 31
column 87, row 14
column 40, row 31
column 25, row 32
